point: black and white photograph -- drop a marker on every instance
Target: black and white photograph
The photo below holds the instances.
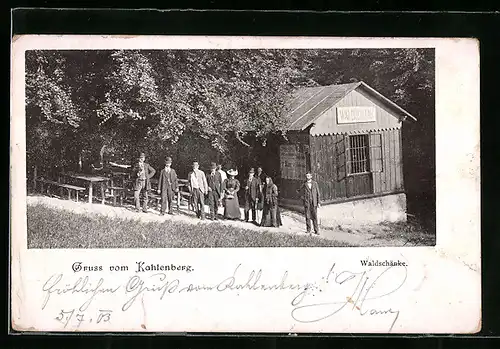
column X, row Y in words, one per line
column 219, row 184
column 230, row 148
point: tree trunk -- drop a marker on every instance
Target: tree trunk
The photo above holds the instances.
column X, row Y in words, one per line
column 101, row 155
column 80, row 163
column 34, row 178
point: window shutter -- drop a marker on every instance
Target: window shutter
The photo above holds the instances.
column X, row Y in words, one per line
column 376, row 163
column 340, row 151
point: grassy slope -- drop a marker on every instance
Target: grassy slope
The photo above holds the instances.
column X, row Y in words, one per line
column 54, row 228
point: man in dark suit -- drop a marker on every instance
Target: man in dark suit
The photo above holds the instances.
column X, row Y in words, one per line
column 252, row 193
column 311, row 198
column 214, row 181
column 167, row 186
column 142, row 172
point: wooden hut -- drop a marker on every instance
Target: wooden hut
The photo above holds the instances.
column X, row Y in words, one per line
column 349, row 136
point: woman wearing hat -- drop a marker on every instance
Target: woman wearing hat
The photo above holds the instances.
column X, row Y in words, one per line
column 271, row 216
column 231, row 186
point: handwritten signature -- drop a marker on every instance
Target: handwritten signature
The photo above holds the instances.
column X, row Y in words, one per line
column 313, row 301
column 366, row 287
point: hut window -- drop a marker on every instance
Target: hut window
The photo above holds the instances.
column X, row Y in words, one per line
column 357, row 159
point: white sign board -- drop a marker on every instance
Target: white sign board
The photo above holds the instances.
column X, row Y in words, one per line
column 348, row 115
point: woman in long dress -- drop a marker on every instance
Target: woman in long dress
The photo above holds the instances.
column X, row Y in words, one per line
column 271, row 216
column 230, row 187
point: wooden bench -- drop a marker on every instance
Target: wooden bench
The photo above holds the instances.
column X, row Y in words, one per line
column 182, row 195
column 156, row 198
column 68, row 187
column 117, row 193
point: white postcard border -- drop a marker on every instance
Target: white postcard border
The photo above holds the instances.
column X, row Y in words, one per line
column 443, row 281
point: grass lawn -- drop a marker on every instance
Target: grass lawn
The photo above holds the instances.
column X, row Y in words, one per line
column 412, row 231
column 55, row 228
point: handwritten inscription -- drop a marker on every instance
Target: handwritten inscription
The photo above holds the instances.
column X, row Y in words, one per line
column 76, row 318
column 363, row 291
column 336, row 292
column 55, row 286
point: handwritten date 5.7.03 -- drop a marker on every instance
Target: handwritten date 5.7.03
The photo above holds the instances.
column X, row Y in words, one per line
column 75, row 318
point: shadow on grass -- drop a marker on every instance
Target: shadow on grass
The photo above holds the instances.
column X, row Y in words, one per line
column 54, row 228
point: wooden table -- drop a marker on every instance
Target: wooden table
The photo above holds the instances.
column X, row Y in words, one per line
column 123, row 176
column 90, row 179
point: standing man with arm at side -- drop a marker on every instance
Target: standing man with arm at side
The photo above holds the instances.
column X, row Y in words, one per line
column 198, row 187
column 143, row 173
column 214, row 181
column 310, row 197
column 167, row 186
column 252, row 193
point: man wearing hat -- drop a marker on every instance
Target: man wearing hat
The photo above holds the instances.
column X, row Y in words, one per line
column 309, row 192
column 142, row 173
column 198, row 187
column 252, row 191
column 214, row 181
column 167, row 186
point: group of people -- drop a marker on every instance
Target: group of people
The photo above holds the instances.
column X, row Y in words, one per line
column 218, row 187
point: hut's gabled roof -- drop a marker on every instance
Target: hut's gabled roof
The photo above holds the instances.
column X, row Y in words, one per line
column 309, row 103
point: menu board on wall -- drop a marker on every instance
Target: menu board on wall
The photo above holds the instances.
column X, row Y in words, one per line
column 292, row 162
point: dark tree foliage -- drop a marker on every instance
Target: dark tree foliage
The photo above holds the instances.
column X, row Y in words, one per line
column 98, row 103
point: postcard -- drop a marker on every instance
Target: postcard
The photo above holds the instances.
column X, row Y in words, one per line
column 244, row 184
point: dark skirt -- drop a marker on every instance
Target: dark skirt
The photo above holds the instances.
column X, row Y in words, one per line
column 232, row 208
column 267, row 219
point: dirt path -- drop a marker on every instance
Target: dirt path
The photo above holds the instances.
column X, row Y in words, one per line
column 293, row 222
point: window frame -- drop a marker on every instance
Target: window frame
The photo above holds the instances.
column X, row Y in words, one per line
column 348, row 155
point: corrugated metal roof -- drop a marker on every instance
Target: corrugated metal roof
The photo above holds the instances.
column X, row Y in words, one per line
column 309, row 103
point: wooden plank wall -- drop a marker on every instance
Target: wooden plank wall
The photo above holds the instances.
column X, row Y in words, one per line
column 391, row 177
column 288, row 187
column 324, row 165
